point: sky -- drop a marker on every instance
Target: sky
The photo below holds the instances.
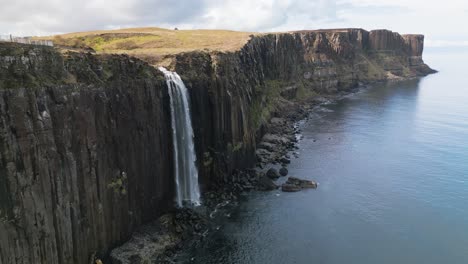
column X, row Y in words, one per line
column 443, row 22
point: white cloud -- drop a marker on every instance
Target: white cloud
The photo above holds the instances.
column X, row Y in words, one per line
column 268, row 15
column 445, row 43
column 443, row 21
column 33, row 17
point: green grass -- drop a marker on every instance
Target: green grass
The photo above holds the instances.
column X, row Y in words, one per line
column 264, row 104
column 304, row 92
column 152, row 43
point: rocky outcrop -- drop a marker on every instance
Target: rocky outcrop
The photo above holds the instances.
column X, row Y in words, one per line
column 155, row 242
column 300, row 183
column 85, row 139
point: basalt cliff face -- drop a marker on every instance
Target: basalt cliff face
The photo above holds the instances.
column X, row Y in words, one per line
column 85, row 153
column 235, row 94
column 85, row 146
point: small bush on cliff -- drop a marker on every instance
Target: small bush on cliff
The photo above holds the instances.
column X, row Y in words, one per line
column 119, row 185
column 237, row 147
column 207, row 159
column 233, row 148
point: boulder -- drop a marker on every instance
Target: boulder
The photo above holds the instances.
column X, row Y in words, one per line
column 268, row 146
column 283, row 171
column 278, row 120
column 276, row 139
column 262, row 152
column 304, row 184
column 266, row 184
column 272, row 173
column 290, row 188
column 309, row 185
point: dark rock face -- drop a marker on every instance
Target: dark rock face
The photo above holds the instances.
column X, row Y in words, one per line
column 386, row 40
column 290, row 188
column 82, row 165
column 272, row 173
column 156, row 241
column 283, row 171
column 85, row 146
column 415, row 44
column 235, row 94
column 266, row 184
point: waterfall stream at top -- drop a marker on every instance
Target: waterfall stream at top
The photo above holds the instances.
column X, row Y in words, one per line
column 186, row 173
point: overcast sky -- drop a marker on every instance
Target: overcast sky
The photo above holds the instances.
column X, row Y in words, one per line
column 443, row 22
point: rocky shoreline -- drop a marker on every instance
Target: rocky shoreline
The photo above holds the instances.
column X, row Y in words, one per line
column 178, row 232
column 163, row 240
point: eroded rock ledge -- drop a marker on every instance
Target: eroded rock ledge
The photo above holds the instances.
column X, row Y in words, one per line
column 85, row 139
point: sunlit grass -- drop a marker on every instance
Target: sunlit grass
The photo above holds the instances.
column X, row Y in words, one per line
column 153, row 42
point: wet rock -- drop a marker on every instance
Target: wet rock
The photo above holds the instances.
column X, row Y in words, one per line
column 266, row 184
column 162, row 238
column 285, row 160
column 268, row 146
column 264, row 155
column 149, row 240
column 276, row 139
column 290, row 188
column 278, row 120
column 304, row 184
column 283, row 171
column 272, row 173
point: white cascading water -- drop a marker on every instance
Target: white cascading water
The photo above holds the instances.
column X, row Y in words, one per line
column 186, row 173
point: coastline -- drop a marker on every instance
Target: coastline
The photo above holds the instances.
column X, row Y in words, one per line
column 174, row 235
column 115, row 146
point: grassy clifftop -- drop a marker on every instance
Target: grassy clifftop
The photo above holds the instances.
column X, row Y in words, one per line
column 152, row 44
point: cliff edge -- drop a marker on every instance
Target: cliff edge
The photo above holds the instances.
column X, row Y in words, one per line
column 85, row 138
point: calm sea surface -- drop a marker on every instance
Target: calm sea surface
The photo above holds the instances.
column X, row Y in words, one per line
column 392, row 163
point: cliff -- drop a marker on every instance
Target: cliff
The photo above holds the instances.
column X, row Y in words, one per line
column 84, row 153
column 85, row 146
column 235, row 94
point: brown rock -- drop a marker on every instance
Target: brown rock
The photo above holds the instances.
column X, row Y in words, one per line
column 283, row 171
column 266, row 184
column 290, row 188
column 272, row 173
column 304, row 184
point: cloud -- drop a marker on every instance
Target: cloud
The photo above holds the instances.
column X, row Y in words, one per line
column 45, row 17
column 445, row 43
column 58, row 16
column 167, row 11
column 267, row 15
column 372, row 9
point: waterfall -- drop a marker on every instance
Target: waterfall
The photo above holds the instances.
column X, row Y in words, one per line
column 186, row 173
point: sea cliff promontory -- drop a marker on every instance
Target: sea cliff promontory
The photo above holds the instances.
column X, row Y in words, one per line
column 85, row 136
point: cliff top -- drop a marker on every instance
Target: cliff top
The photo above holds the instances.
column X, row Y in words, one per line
column 152, row 43
column 158, row 46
